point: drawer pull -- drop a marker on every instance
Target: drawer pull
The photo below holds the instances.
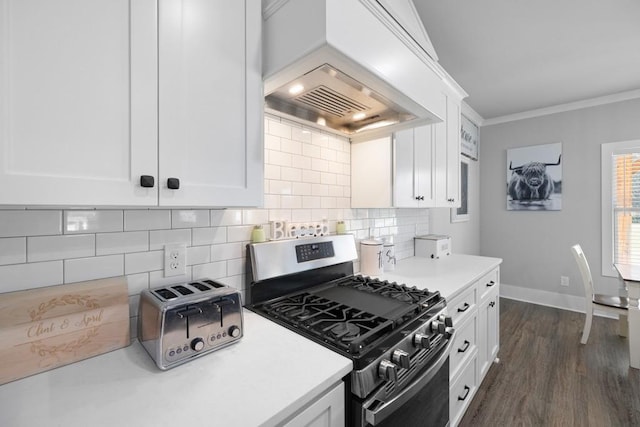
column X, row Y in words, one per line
column 465, row 347
column 466, row 307
column 490, row 284
column 467, row 389
column 492, row 304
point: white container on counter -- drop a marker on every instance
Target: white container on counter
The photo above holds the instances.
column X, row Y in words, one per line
column 432, row 245
column 371, row 257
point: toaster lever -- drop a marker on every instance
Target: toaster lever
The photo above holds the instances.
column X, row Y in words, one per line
column 189, row 312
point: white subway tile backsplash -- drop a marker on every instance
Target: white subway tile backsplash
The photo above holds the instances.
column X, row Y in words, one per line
column 328, row 178
column 301, row 188
column 319, row 165
column 143, row 219
column 272, row 142
column 134, row 301
column 301, row 134
column 320, row 139
column 159, row 238
column 49, row 248
column 271, row 201
column 311, row 202
column 143, row 262
column 18, row 277
column 239, row 233
column 301, row 162
column 236, row 267
column 272, row 172
column 255, row 216
column 212, row 270
column 198, row 255
column 13, row 250
column 209, row 236
column 80, row 269
column 156, row 278
column 137, row 283
column 301, row 215
column 290, row 202
column 280, row 215
column 280, row 159
column 227, row 251
column 291, row 146
column 312, row 151
column 192, row 218
column 93, row 221
column 319, row 190
column 328, row 154
column 117, row 243
column 222, row 217
column 291, row 174
column 279, row 129
column 20, row 223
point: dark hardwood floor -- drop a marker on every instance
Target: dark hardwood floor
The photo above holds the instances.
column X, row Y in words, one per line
column 547, row 378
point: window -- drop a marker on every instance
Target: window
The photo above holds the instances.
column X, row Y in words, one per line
column 620, row 204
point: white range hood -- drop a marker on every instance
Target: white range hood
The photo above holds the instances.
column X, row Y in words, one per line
column 350, row 67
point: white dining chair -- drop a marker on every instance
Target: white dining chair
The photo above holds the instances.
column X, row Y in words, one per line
column 608, row 303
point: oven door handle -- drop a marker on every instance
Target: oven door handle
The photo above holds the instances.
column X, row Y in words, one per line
column 383, row 411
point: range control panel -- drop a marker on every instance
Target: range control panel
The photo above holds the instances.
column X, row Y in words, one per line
column 313, row 251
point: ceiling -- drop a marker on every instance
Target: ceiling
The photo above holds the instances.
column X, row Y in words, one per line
column 516, row 56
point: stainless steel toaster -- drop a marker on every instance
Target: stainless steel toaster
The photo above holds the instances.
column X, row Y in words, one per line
column 180, row 322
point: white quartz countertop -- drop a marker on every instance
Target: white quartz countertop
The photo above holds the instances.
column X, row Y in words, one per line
column 261, row 380
column 449, row 275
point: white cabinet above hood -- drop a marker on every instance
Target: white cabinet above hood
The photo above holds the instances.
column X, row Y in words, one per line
column 348, row 65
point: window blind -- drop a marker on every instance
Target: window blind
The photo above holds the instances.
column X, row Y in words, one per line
column 626, row 207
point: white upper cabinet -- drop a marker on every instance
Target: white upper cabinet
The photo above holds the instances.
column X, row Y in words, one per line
column 94, row 95
column 210, row 87
column 77, row 101
column 425, row 161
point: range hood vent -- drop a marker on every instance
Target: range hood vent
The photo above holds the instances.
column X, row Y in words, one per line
column 330, row 98
column 350, row 67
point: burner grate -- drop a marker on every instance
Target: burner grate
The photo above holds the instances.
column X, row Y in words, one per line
column 345, row 327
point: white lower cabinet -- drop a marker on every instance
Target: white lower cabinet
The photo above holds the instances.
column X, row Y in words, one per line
column 475, row 312
column 326, row 411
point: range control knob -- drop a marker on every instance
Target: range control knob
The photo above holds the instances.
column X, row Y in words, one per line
column 388, row 371
column 449, row 333
column 197, row 344
column 401, row 358
column 234, row 332
column 421, row 341
column 447, row 320
column 438, row 326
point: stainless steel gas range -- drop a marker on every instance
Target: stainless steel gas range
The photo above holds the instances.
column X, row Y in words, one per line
column 398, row 337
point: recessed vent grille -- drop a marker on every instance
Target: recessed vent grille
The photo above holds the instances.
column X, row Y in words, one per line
column 331, row 102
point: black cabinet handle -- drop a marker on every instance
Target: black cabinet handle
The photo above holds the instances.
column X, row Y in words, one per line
column 467, row 389
column 490, row 284
column 465, row 347
column 492, row 304
column 173, row 183
column 419, row 197
column 466, row 307
column 147, row 181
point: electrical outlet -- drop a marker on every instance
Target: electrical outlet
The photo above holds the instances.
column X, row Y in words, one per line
column 175, row 260
column 564, row 281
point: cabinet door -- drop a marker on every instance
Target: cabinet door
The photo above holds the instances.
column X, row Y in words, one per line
column 405, row 185
column 78, row 102
column 413, row 175
column 210, row 94
column 328, row 410
column 447, row 161
column 453, row 153
column 488, row 331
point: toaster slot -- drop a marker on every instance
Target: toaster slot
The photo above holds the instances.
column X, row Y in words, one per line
column 166, row 294
column 182, row 290
column 214, row 284
column 200, row 286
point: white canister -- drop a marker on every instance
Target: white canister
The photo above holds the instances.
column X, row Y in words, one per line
column 389, row 255
column 371, row 257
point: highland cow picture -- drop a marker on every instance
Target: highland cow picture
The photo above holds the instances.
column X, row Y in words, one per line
column 534, row 178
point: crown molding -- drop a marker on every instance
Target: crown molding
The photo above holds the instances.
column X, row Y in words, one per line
column 472, row 114
column 561, row 108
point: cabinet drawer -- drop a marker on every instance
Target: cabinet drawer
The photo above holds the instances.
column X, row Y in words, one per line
column 462, row 391
column 463, row 305
column 487, row 283
column 463, row 346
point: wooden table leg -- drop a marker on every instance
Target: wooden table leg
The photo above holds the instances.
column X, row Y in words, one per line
column 634, row 325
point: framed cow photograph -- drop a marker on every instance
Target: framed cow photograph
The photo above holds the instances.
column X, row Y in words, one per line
column 534, row 178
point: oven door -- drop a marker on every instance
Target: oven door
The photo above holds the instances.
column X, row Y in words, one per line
column 423, row 402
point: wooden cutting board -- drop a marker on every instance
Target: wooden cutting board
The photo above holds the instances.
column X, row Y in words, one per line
column 41, row 329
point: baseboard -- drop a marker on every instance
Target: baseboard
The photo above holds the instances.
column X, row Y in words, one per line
column 546, row 298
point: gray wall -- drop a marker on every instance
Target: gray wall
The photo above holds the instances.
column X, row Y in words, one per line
column 535, row 246
column 465, row 236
